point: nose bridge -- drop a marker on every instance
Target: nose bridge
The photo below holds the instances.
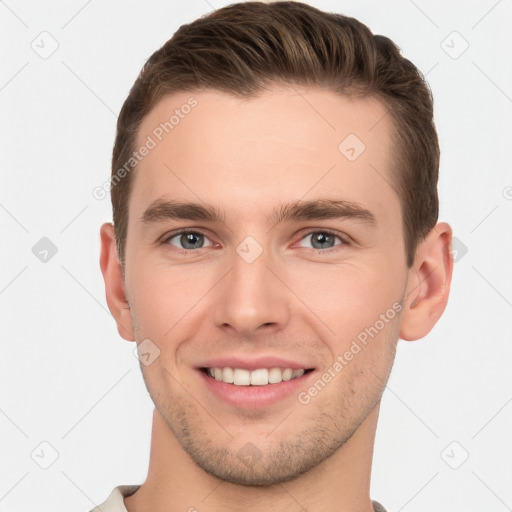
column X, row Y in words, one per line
column 251, row 296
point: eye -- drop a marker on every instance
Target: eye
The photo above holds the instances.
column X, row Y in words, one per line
column 188, row 240
column 323, row 239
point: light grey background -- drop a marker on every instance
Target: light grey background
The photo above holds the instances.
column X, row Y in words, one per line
column 70, row 382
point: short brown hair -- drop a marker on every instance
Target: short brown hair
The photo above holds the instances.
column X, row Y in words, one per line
column 244, row 48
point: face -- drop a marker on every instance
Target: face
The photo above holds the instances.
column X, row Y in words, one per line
column 293, row 258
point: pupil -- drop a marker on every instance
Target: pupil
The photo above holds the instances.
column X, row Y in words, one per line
column 321, row 237
column 191, row 238
column 319, row 240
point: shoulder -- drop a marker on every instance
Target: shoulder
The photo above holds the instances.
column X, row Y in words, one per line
column 115, row 501
column 378, row 507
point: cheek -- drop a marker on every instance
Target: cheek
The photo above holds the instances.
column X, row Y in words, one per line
column 341, row 299
column 163, row 295
column 348, row 297
column 362, row 357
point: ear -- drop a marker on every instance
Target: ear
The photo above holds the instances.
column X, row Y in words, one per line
column 114, row 283
column 428, row 284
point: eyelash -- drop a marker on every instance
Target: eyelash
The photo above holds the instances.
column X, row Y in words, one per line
column 343, row 239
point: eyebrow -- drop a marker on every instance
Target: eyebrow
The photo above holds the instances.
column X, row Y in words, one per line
column 161, row 210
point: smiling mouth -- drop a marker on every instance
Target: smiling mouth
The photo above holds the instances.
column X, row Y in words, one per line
column 258, row 377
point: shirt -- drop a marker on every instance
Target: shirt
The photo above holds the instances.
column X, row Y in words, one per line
column 115, row 503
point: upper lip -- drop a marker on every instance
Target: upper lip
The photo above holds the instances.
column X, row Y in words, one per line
column 254, row 363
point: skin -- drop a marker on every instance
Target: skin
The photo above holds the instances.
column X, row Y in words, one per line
column 247, row 157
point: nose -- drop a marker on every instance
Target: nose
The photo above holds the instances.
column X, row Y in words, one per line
column 251, row 299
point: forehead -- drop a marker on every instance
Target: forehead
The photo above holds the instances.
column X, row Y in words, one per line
column 285, row 144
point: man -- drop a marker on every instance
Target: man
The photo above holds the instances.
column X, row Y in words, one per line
column 274, row 189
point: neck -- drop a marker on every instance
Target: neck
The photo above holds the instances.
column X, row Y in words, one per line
column 175, row 483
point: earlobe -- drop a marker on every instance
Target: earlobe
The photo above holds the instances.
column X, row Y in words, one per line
column 114, row 283
column 428, row 284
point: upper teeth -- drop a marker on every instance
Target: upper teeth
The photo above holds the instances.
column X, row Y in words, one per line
column 259, row 377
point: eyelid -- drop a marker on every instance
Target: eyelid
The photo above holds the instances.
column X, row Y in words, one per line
column 168, row 236
column 345, row 239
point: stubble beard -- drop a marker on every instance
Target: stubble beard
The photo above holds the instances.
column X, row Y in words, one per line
column 265, row 460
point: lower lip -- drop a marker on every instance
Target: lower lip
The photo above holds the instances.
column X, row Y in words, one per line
column 254, row 397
